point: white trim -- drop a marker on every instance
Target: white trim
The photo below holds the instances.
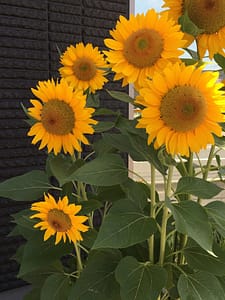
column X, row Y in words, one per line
column 132, row 7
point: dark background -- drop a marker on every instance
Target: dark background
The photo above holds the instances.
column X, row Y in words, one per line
column 30, row 32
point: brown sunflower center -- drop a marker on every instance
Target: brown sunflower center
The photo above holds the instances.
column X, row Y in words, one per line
column 143, row 48
column 183, row 108
column 57, row 117
column 207, row 14
column 84, row 69
column 59, row 220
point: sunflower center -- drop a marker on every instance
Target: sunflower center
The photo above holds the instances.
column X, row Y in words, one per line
column 58, row 220
column 84, row 69
column 57, row 117
column 183, row 108
column 143, row 48
column 207, row 14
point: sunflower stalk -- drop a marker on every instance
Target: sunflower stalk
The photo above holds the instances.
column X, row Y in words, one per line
column 152, row 214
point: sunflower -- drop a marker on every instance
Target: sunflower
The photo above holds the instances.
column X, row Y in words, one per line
column 183, row 107
column 84, row 67
column 61, row 115
column 208, row 15
column 141, row 45
column 59, row 218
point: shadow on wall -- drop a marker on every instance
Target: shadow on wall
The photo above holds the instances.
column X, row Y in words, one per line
column 15, row 294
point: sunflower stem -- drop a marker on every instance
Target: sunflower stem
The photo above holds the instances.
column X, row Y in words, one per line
column 152, row 214
column 79, row 261
column 167, row 184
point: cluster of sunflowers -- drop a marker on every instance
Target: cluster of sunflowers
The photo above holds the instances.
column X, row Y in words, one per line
column 180, row 108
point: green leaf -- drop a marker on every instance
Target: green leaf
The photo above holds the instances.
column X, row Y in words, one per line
column 188, row 26
column 27, row 187
column 199, row 259
column 38, row 253
column 197, row 187
column 192, row 219
column 123, row 144
column 56, row 287
column 97, row 281
column 110, row 193
column 106, row 170
column 125, row 225
column 140, row 281
column 216, row 212
column 220, row 60
column 34, row 294
column 62, row 166
column 137, row 192
column 93, row 100
column 200, row 286
column 124, row 97
column 103, row 126
column 89, row 206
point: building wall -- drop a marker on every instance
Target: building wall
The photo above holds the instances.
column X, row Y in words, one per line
column 30, row 34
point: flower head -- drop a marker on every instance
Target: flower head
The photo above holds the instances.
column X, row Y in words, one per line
column 83, row 67
column 59, row 218
column 207, row 15
column 141, row 45
column 61, row 115
column 183, row 107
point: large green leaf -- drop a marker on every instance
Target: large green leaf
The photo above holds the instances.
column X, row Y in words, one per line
column 38, row 253
column 188, row 26
column 106, row 170
column 62, row 166
column 97, row 281
column 140, row 281
column 200, row 286
column 27, row 187
column 137, row 192
column 197, row 187
column 191, row 219
column 125, row 225
column 220, row 60
column 216, row 212
column 56, row 287
column 197, row 258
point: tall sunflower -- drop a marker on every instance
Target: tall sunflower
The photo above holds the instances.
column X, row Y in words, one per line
column 61, row 117
column 208, row 15
column 84, row 67
column 141, row 45
column 59, row 218
column 182, row 110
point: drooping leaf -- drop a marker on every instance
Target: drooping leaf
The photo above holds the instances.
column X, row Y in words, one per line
column 137, row 192
column 62, row 166
column 103, row 126
column 192, row 219
column 140, row 281
column 216, row 212
column 106, row 170
column 188, row 26
column 27, row 187
column 124, row 225
column 110, row 193
column 199, row 259
column 124, row 97
column 56, row 287
column 200, row 286
column 97, row 281
column 220, row 60
column 197, row 187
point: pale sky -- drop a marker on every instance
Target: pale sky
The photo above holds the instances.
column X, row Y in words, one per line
column 144, row 5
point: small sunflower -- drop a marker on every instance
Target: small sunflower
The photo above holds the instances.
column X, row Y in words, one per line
column 84, row 67
column 59, row 218
column 61, row 115
column 208, row 15
column 141, row 45
column 183, row 106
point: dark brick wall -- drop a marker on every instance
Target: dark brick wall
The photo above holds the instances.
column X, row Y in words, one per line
column 30, row 34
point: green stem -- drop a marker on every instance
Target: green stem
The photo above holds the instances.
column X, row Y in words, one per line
column 79, row 261
column 167, row 184
column 152, row 214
